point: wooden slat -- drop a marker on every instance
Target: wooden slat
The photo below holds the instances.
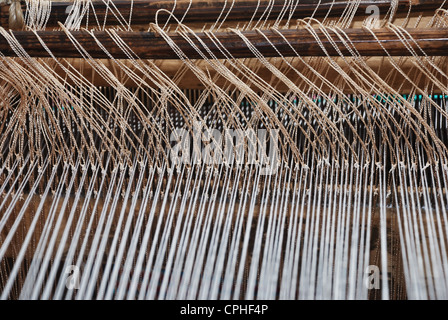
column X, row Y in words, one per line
column 147, row 45
column 144, row 11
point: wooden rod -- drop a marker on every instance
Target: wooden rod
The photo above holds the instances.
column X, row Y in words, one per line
column 208, row 11
column 147, row 45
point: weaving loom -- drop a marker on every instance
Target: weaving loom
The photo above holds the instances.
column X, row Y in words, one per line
column 239, row 149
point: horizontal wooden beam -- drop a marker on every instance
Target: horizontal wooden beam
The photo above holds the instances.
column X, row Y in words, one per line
column 208, row 11
column 148, row 45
